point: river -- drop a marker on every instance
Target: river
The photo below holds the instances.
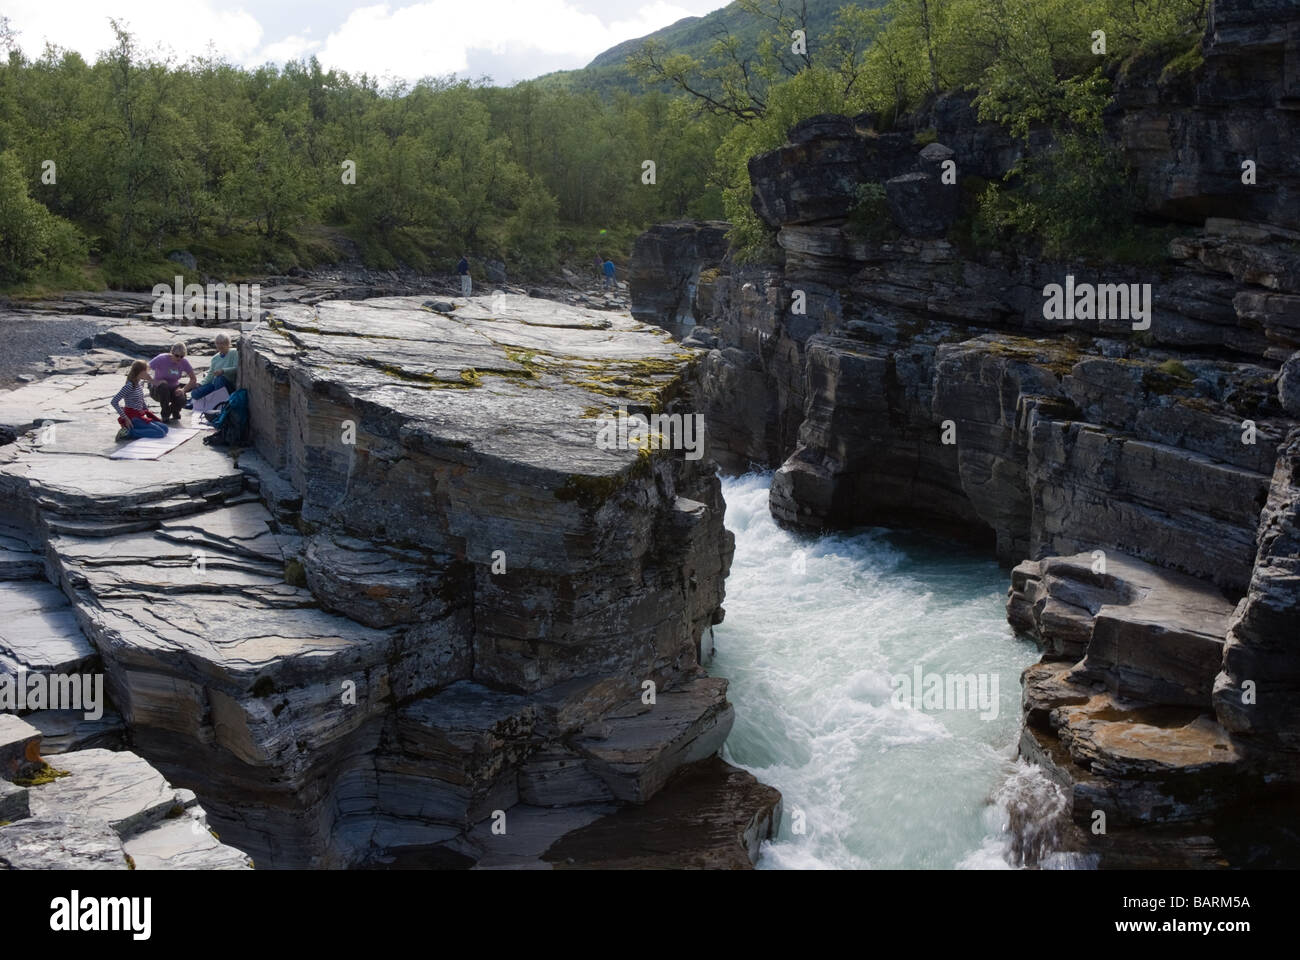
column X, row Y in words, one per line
column 819, row 634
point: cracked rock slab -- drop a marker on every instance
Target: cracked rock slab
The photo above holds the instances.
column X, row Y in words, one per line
column 39, row 631
column 119, row 788
column 37, row 844
column 183, row 843
column 113, row 811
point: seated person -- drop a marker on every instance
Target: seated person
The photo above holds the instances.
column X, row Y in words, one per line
column 223, row 371
column 132, row 411
column 166, row 370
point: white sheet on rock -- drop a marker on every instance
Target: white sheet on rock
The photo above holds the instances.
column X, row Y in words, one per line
column 151, row 448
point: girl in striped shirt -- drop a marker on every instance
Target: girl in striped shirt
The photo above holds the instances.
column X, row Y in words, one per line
column 132, row 411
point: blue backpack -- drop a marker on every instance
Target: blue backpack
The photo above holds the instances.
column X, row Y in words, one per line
column 231, row 425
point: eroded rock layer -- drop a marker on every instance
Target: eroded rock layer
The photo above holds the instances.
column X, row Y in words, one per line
column 428, row 619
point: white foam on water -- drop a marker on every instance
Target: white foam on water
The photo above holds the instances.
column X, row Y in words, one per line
column 810, row 656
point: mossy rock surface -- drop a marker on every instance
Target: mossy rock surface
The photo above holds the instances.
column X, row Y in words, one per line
column 43, row 775
column 295, row 574
column 505, row 384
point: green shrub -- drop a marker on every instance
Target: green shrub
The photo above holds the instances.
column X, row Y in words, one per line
column 530, row 234
column 869, row 216
column 133, row 272
column 32, row 239
column 1183, row 65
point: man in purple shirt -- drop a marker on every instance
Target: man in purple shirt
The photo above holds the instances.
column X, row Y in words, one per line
column 166, row 370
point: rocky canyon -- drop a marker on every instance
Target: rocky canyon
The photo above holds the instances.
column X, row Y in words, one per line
column 425, row 617
column 1139, row 474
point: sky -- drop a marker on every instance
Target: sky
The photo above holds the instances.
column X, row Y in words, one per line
column 508, row 40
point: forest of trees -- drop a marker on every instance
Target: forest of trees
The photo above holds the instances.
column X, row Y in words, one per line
column 249, row 169
column 1030, row 64
column 244, row 167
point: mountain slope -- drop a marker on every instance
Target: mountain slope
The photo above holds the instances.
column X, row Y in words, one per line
column 607, row 72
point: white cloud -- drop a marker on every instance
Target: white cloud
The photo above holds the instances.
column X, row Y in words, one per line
column 294, row 47
column 430, row 37
column 82, row 25
column 436, row 36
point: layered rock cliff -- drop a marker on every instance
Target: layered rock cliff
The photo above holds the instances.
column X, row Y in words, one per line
column 429, row 619
column 1141, row 474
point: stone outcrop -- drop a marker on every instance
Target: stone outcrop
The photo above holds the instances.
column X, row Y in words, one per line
column 1240, row 105
column 669, row 264
column 1119, row 709
column 1145, row 633
column 475, row 432
column 1127, row 715
column 1257, row 695
column 426, row 603
column 892, row 372
column 98, row 810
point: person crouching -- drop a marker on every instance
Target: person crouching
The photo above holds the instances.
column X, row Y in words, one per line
column 132, row 410
column 165, row 370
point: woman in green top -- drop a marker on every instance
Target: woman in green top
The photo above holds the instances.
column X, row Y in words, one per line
column 222, row 372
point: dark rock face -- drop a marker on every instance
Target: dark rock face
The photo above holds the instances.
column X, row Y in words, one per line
column 815, row 177
column 1288, row 386
column 1188, row 133
column 669, row 263
column 1258, row 693
column 919, row 205
column 752, row 381
column 715, row 817
column 892, row 375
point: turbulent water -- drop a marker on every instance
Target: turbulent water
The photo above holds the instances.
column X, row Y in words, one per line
column 816, row 631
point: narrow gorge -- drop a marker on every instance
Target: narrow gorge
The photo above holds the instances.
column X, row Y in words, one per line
column 1140, row 474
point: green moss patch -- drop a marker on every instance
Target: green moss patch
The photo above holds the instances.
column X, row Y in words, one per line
column 1176, row 369
column 295, row 574
column 590, row 492
column 1059, row 358
column 1167, row 377
column 45, row 774
column 427, row 380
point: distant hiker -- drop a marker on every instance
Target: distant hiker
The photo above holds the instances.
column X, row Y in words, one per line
column 166, row 370
column 466, row 284
column 132, row 411
column 608, row 269
column 600, row 266
column 223, row 371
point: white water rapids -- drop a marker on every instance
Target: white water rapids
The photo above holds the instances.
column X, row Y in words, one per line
column 811, row 646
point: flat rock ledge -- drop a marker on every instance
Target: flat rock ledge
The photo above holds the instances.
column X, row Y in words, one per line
column 425, row 604
column 99, row 810
column 1124, row 714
